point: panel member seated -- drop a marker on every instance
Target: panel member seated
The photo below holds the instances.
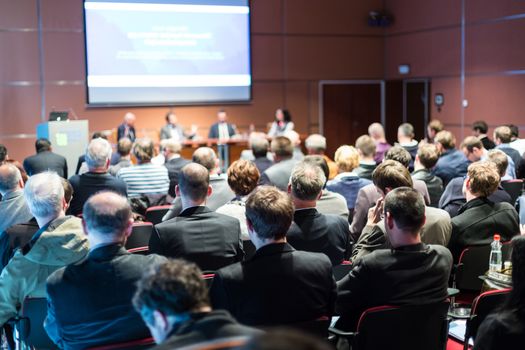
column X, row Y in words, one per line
column 426, row 159
column 173, row 130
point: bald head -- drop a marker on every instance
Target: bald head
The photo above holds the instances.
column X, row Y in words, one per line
column 107, row 215
column 206, row 157
column 10, row 178
column 194, row 182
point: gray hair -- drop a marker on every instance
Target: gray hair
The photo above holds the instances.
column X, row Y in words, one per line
column 259, row 146
column 307, row 181
column 98, row 153
column 406, row 129
column 376, row 130
column 44, row 194
column 9, row 177
column 316, row 142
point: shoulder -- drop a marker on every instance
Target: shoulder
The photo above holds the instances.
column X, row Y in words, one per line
column 311, row 259
column 226, row 219
column 231, row 271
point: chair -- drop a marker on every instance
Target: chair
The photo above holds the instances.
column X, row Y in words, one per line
column 145, row 343
column 473, row 262
column 138, row 240
column 208, row 278
column 406, row 327
column 513, row 188
column 155, row 214
column 342, row 270
column 482, row 306
column 29, row 325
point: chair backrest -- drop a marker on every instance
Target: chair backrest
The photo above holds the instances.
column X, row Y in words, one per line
column 407, row 327
column 342, row 270
column 473, row 262
column 208, row 278
column 145, row 343
column 513, row 188
column 30, row 324
column 155, row 214
column 138, row 240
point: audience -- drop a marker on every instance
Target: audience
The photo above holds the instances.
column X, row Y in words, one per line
column 410, row 273
column 282, row 123
column 310, row 230
column 198, row 234
column 82, row 158
column 517, row 143
column 127, row 128
column 452, row 162
column 296, row 142
column 45, row 160
column 366, row 148
column 98, row 156
column 243, row 177
column 278, row 285
column 479, row 219
column 426, row 159
column 13, row 206
column 124, row 147
column 480, row 130
column 316, row 146
column 433, row 127
column 172, row 299
column 97, row 292
column 174, row 162
column 405, row 139
column 259, row 152
column 502, row 138
column 377, row 133
column 279, row 173
column 473, row 149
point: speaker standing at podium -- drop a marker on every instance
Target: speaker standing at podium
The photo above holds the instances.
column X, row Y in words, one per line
column 222, row 130
column 127, row 129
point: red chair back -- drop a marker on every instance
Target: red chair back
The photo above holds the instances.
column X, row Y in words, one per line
column 138, row 241
column 156, row 213
column 342, row 270
column 473, row 262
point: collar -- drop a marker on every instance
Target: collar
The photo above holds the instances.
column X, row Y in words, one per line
column 272, row 249
column 476, row 202
column 199, row 209
column 365, row 163
column 200, row 317
column 12, row 194
column 107, row 249
column 173, row 156
column 411, row 248
column 346, row 174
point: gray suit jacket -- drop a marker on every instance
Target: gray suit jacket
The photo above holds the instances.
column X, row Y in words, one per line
column 166, row 132
column 278, row 174
column 332, row 203
column 13, row 210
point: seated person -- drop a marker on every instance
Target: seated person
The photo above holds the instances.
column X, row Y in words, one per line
column 366, row 148
column 124, row 146
column 410, row 273
column 259, row 151
column 426, row 159
column 13, row 206
column 473, row 149
column 452, row 163
column 310, row 230
column 209, row 239
column 97, row 292
column 174, row 162
column 405, row 139
column 173, row 130
column 480, row 130
column 279, row 173
column 480, row 218
column 377, row 133
column 278, row 285
column 316, row 146
column 172, row 299
column 502, row 138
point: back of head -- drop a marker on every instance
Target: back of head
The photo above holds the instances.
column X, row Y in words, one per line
column 98, row 153
column 44, row 194
column 366, row 145
column 499, row 158
column 428, row 155
column 9, row 178
column 318, row 161
column 315, row 144
column 484, row 178
column 391, row 174
column 3, row 153
column 259, row 145
column 107, row 215
column 194, row 180
column 471, row 142
column 435, row 125
column 406, row 130
column 399, row 154
column 42, row 145
column 172, row 146
column 480, row 126
column 307, row 181
column 270, row 212
column 514, row 131
column 407, row 207
column 376, row 131
column 243, row 177
column 446, row 139
column 143, row 150
column 503, row 134
column 206, row 157
column 347, row 158
column 124, row 146
column 282, row 147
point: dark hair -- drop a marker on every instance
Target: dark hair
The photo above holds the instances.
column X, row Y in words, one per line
column 480, row 126
column 471, row 142
column 516, row 299
column 318, row 161
column 168, row 115
column 243, row 177
column 391, row 174
column 124, row 146
column 107, row 213
column 270, row 211
column 285, row 339
column 514, row 130
column 407, row 208
column 99, row 134
column 42, row 145
column 143, row 150
column 3, row 153
column 399, row 154
column 194, row 180
column 287, row 117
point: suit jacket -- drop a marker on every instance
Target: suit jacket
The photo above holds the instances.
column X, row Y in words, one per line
column 13, row 209
column 214, row 131
column 167, row 130
column 410, row 275
column 262, row 164
column 488, row 144
column 434, row 185
column 44, row 161
column 89, row 304
column 332, row 203
column 121, row 131
column 204, row 327
column 278, row 285
column 314, row 232
column 452, row 163
column 15, row 237
column 477, row 222
column 174, row 167
column 209, row 239
column 278, row 174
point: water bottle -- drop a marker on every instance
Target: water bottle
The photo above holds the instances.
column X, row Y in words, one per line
column 495, row 254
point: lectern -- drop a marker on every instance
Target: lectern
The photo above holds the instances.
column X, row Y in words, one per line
column 68, row 138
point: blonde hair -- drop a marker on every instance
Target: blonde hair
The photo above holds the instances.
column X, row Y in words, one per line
column 347, row 158
column 484, row 178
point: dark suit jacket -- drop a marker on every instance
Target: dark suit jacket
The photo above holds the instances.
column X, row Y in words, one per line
column 15, row 237
column 411, row 275
column 314, row 232
column 174, row 167
column 262, row 163
column 44, row 161
column 488, row 144
column 278, row 174
column 204, row 327
column 434, row 185
column 209, row 239
column 452, row 163
column 90, row 303
column 214, row 131
column 278, row 285
column 121, row 131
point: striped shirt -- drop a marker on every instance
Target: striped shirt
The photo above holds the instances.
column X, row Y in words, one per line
column 145, row 179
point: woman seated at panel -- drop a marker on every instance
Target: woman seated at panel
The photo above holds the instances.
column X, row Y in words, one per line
column 282, row 123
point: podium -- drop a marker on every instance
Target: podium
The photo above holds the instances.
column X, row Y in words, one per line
column 68, row 138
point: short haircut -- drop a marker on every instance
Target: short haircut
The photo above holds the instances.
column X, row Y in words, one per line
column 315, row 143
column 124, row 146
column 282, row 146
column 42, row 145
column 501, row 160
column 480, row 126
column 270, row 212
column 366, row 145
column 514, row 130
column 68, row 190
column 98, row 134
column 259, row 145
column 107, row 213
column 172, row 287
column 171, row 145
column 44, row 193
column 484, row 178
column 318, row 161
column 9, row 177
column 406, row 129
column 376, row 130
column 435, row 125
column 194, row 180
column 206, row 157
column 243, row 177
column 347, row 158
column 503, row 133
column 391, row 174
column 446, row 139
column 98, row 153
column 428, row 155
column 399, row 154
column 471, row 142
column 307, row 181
column 20, row 167
column 407, row 208
column 3, row 153
column 143, row 150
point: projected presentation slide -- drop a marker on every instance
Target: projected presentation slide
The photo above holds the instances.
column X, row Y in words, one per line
column 167, row 52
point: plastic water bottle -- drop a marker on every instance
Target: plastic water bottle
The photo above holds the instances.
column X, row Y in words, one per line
column 495, row 254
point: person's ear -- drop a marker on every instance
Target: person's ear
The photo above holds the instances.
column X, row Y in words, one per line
column 177, row 190
column 320, row 195
column 129, row 228
column 84, row 227
column 161, row 321
column 389, row 220
column 21, row 183
column 65, row 204
column 108, row 163
column 249, row 224
column 289, row 188
column 210, row 191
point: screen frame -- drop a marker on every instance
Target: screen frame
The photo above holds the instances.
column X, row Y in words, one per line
column 248, row 101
